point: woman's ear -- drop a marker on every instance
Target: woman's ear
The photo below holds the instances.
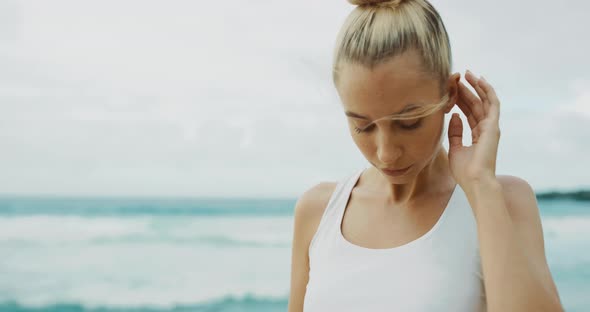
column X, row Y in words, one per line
column 453, row 87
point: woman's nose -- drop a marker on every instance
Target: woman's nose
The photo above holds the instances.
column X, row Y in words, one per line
column 389, row 155
column 388, row 148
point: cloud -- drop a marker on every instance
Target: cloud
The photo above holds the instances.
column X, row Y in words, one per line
column 235, row 98
column 550, row 148
column 581, row 103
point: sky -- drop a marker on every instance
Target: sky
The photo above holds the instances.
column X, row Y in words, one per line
column 234, row 98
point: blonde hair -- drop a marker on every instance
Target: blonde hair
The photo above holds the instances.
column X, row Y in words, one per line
column 376, row 31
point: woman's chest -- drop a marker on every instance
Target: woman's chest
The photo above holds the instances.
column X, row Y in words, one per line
column 407, row 283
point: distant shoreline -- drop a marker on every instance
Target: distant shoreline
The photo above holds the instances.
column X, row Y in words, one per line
column 581, row 195
column 577, row 195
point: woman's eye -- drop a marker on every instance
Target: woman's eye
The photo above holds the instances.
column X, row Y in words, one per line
column 415, row 125
column 363, row 129
column 412, row 126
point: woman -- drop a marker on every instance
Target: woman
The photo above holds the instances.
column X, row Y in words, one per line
column 420, row 229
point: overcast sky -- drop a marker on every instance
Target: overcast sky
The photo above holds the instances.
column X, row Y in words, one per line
column 234, row 98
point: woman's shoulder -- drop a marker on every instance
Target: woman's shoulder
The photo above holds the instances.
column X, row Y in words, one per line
column 308, row 213
column 310, row 205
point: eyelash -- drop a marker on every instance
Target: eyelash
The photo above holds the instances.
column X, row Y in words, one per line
column 411, row 127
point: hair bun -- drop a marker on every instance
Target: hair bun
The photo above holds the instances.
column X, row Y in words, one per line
column 392, row 3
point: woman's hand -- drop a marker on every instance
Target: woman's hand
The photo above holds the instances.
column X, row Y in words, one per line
column 476, row 162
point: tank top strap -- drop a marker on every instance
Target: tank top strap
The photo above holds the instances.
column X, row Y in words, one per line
column 331, row 212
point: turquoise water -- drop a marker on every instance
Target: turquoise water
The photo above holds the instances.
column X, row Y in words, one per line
column 101, row 254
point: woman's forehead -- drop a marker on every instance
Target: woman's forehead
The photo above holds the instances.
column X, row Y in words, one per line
column 390, row 88
column 372, row 102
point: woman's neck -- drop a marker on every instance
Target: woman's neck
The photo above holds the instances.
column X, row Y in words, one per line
column 432, row 179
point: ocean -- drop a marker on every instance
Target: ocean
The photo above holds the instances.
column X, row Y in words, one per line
column 223, row 255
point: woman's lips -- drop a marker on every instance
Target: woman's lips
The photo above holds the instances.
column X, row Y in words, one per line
column 395, row 173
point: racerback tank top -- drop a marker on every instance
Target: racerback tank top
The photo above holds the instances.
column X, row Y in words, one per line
column 439, row 271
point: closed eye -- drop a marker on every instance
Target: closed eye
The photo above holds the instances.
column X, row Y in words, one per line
column 412, row 126
column 404, row 127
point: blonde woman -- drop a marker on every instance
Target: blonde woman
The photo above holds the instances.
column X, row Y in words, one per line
column 420, row 228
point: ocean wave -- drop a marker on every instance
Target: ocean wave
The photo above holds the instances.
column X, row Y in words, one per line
column 246, row 303
column 37, row 230
column 572, row 228
column 122, row 207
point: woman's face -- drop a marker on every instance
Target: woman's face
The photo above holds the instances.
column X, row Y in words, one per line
column 388, row 89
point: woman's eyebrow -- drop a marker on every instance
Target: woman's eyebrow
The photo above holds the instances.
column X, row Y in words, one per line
column 408, row 107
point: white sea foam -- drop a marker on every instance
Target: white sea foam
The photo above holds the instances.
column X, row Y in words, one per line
column 169, row 260
column 216, row 231
column 567, row 227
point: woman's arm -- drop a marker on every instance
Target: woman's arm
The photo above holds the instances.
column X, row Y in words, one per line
column 516, row 275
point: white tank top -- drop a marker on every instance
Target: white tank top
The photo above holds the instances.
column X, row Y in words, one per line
column 439, row 271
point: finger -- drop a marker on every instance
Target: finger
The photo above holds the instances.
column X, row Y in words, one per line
column 462, row 104
column 472, row 101
column 472, row 122
column 485, row 103
column 493, row 100
column 470, row 77
column 455, row 132
column 467, row 111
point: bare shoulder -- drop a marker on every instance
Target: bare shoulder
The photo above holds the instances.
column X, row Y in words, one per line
column 311, row 204
column 308, row 212
column 520, row 197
